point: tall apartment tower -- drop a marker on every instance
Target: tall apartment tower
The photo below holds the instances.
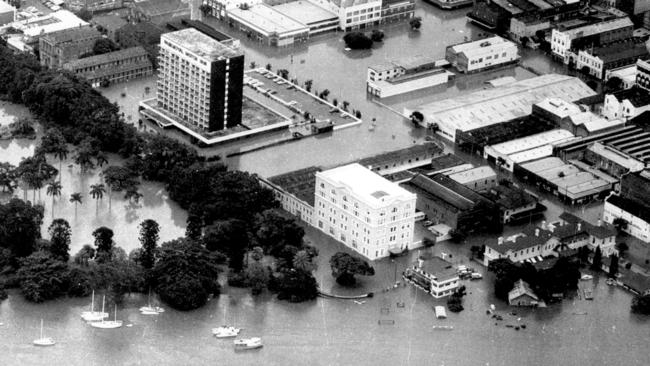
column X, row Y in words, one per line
column 200, row 80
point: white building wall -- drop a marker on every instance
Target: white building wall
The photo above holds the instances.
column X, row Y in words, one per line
column 498, row 54
column 560, row 44
column 615, row 109
column 384, row 90
column 369, row 231
column 593, row 63
column 636, row 226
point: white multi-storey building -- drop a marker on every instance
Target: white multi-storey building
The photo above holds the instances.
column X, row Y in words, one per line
column 366, row 212
column 354, row 14
column 200, row 80
column 479, row 55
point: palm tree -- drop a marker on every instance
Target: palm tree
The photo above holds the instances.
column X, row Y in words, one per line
column 133, row 195
column 76, row 199
column 61, row 153
column 53, row 189
column 97, row 192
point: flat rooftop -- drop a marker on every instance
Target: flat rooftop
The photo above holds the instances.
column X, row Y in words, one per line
column 369, row 186
column 300, row 183
column 49, row 23
column 413, row 152
column 305, row 12
column 202, row 45
column 470, row 175
column 602, row 27
column 439, row 268
column 569, row 179
column 559, row 107
column 5, row 7
column 267, row 20
column 531, row 142
column 485, row 45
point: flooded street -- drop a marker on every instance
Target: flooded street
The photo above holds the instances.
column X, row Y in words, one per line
column 324, row 331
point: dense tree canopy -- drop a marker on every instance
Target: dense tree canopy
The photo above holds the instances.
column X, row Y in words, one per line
column 641, row 304
column 42, row 277
column 229, row 237
column 103, row 244
column 185, row 274
column 60, row 233
column 275, row 231
column 345, row 266
column 20, row 227
column 149, row 230
column 357, row 41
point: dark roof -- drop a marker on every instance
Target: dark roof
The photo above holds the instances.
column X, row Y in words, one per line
column 110, row 22
column 440, row 163
column 160, row 7
column 620, row 51
column 528, row 240
column 509, row 197
column 633, row 207
column 107, row 57
column 104, row 72
column 72, row 34
column 301, row 183
column 442, row 188
column 636, row 281
column 642, row 120
column 399, row 155
column 200, row 26
column 639, row 97
column 439, row 268
column 605, row 230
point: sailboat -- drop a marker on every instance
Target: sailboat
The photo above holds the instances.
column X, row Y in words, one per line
column 44, row 341
column 151, row 310
column 92, row 315
column 225, row 331
column 107, row 324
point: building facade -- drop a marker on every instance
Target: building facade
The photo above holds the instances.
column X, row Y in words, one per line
column 435, row 276
column 7, row 13
column 482, row 54
column 58, row 48
column 635, row 215
column 596, row 62
column 626, row 104
column 397, row 10
column 200, row 80
column 113, row 67
column 364, row 211
column 94, row 5
column 354, row 14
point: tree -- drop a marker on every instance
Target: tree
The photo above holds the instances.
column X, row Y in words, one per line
column 20, row 227
column 35, row 171
column 104, row 244
column 269, row 67
column 97, row 193
column 132, row 195
column 42, row 277
column 456, row 236
column 283, row 73
column 76, row 199
column 294, row 285
column 53, row 142
column 8, row 177
column 620, row 224
column 229, row 237
column 118, row 179
column 308, row 85
column 415, row 23
column 84, row 255
column 613, row 266
column 357, row 41
column 205, row 9
column 54, row 190
column 622, row 248
column 304, row 261
column 100, row 159
column 149, row 230
column 335, row 102
column 345, row 266
column 275, row 231
column 455, row 301
column 84, row 14
column 85, row 151
column 185, row 274
column 257, row 277
column 60, row 234
column 104, row 45
column 614, row 83
column 345, row 106
column 377, row 35
column 641, row 304
column 253, row 65
column 597, row 261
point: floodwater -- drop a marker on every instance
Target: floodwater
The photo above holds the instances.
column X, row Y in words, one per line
column 325, row 331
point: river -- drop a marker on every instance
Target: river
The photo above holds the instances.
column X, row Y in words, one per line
column 325, row 331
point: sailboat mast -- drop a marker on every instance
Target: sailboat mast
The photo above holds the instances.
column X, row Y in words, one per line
column 103, row 300
column 41, row 328
column 92, row 302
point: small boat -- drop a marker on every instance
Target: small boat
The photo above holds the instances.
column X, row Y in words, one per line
column 44, row 341
column 151, row 310
column 107, row 324
column 248, row 343
column 225, row 332
column 443, row 327
column 92, row 315
column 610, row 282
column 441, row 313
column 586, row 277
column 476, row 276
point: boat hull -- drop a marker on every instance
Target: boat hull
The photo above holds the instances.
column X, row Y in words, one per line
column 44, row 342
column 93, row 316
column 107, row 325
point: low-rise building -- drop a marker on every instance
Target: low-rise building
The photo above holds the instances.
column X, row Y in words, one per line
column 483, row 54
column 450, row 4
column 109, row 24
column 403, row 76
column 643, row 74
column 94, row 5
column 626, row 104
column 366, row 212
column 597, row 61
column 7, row 13
column 436, row 276
column 507, row 154
column 479, row 179
column 36, row 27
column 522, row 295
column 573, row 182
column 445, row 201
column 58, row 48
column 317, row 18
column 568, row 38
column 354, row 14
column 267, row 25
column 400, row 160
column 572, row 231
column 295, row 192
column 574, row 118
column 527, row 27
column 158, row 11
column 631, row 140
column 531, row 245
column 611, row 160
column 515, row 204
column 113, row 67
column 635, row 214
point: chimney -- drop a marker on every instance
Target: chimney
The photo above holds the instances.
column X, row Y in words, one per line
column 500, row 240
column 579, row 226
column 543, row 224
column 420, row 262
column 536, row 232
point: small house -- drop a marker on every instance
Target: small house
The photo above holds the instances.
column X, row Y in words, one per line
column 522, row 295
